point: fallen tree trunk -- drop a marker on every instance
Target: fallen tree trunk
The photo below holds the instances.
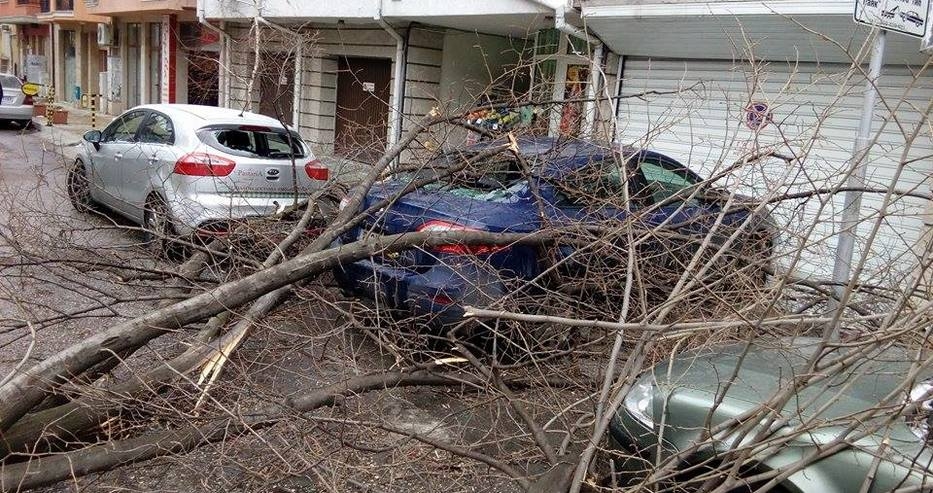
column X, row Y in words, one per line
column 27, row 389
column 43, row 471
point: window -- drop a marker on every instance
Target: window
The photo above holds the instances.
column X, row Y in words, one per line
column 124, row 128
column 158, row 129
column 663, row 180
column 253, row 141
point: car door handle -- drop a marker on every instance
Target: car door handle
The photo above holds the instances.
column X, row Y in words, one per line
column 118, row 156
column 153, row 159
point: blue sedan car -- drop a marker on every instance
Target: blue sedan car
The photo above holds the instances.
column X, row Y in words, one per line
column 568, row 183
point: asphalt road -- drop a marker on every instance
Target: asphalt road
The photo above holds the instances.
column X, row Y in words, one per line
column 56, row 263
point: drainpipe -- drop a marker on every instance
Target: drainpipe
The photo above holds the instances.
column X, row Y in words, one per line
column 561, row 24
column 299, row 54
column 224, row 57
column 398, row 78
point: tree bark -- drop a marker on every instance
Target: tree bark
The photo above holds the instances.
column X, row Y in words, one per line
column 28, row 388
column 37, row 472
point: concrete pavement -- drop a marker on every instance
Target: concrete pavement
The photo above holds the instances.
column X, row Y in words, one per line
column 66, row 138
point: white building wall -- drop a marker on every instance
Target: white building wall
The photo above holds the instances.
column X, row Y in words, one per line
column 323, row 44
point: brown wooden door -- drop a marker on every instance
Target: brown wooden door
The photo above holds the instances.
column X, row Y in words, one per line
column 362, row 107
column 277, row 85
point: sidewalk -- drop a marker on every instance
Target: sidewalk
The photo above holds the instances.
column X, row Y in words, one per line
column 65, row 138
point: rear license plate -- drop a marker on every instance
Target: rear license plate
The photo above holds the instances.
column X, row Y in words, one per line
column 8, row 99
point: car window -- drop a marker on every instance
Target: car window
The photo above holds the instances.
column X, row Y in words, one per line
column 10, row 82
column 596, row 183
column 158, row 129
column 124, row 128
column 660, row 182
column 463, row 171
column 253, row 141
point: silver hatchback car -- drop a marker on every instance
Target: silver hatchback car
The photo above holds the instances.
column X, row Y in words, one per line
column 15, row 105
column 184, row 169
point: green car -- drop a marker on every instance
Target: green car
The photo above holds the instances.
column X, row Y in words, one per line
column 786, row 414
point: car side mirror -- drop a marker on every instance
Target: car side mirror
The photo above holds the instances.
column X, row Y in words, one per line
column 94, row 137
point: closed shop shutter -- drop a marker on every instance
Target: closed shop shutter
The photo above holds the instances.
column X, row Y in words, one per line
column 698, row 111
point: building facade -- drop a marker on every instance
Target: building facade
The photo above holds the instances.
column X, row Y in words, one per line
column 72, row 52
column 155, row 49
column 719, row 83
column 23, row 41
column 353, row 76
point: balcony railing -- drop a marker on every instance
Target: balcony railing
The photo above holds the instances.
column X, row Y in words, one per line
column 45, row 6
column 64, row 5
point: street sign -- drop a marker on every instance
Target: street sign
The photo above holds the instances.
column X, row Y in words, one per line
column 30, row 89
column 903, row 16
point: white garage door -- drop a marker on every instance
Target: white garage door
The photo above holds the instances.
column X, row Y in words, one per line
column 697, row 111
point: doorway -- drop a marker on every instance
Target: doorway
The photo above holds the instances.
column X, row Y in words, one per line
column 203, row 78
column 277, row 85
column 362, row 115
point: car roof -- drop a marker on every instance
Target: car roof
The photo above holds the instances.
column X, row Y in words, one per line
column 205, row 115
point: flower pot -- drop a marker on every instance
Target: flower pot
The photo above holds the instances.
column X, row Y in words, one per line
column 59, row 117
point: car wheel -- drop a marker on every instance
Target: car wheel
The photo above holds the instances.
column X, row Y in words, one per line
column 79, row 188
column 160, row 237
column 26, row 124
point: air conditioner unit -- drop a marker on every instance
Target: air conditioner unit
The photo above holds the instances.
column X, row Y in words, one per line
column 104, row 35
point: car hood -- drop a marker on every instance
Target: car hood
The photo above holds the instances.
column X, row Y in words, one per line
column 747, row 377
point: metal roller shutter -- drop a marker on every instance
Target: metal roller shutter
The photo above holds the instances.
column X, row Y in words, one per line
column 695, row 111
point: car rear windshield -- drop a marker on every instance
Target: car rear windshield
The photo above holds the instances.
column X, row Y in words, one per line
column 465, row 171
column 11, row 82
column 253, row 141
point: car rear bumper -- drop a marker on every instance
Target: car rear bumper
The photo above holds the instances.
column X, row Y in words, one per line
column 22, row 112
column 192, row 214
column 437, row 294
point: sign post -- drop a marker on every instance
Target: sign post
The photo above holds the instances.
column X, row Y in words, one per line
column 901, row 16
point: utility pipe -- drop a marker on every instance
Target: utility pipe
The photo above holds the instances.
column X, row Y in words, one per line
column 589, row 108
column 398, row 78
column 223, row 58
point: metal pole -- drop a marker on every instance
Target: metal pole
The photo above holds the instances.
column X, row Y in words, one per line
column 50, row 106
column 93, row 101
column 853, row 198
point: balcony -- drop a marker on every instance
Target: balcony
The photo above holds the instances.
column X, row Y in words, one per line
column 125, row 7
column 19, row 12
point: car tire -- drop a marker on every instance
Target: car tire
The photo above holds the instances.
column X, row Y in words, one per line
column 79, row 188
column 26, row 124
column 159, row 233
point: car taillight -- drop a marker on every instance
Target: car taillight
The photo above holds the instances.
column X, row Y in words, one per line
column 316, row 170
column 444, row 226
column 203, row 164
column 28, row 100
